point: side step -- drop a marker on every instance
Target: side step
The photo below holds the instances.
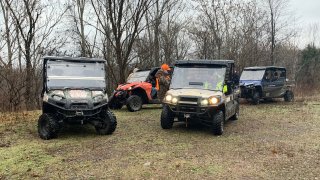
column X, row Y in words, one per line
column 154, row 101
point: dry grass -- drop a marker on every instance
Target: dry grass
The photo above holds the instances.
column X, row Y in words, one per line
column 274, row 140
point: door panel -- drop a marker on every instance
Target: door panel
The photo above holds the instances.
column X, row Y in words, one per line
column 232, row 102
column 278, row 87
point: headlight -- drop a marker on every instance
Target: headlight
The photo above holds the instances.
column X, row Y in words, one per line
column 129, row 88
column 174, row 100
column 57, row 97
column 100, row 97
column 97, row 98
column 171, row 99
column 168, row 98
column 204, row 102
column 214, row 100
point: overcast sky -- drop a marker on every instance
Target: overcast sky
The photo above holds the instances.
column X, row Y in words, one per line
column 307, row 12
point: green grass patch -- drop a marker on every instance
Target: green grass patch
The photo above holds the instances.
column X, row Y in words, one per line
column 25, row 160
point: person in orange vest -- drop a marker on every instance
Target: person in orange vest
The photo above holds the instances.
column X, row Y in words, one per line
column 163, row 81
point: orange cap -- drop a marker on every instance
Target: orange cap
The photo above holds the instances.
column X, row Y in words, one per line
column 165, row 67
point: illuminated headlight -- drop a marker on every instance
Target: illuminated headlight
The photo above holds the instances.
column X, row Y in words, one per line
column 174, row 100
column 171, row 99
column 168, row 98
column 129, row 88
column 204, row 102
column 214, row 100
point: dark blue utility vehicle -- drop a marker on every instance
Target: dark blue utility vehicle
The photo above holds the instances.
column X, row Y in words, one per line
column 265, row 82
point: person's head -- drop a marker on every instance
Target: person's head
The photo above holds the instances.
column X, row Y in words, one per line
column 165, row 67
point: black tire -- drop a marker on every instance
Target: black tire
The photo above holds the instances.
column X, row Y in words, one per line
column 218, row 123
column 48, row 126
column 108, row 123
column 167, row 117
column 256, row 98
column 288, row 96
column 236, row 115
column 134, row 103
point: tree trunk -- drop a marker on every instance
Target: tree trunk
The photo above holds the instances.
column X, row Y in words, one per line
column 272, row 39
column 29, row 77
column 156, row 36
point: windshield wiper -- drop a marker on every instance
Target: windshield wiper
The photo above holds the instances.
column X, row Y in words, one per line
column 196, row 83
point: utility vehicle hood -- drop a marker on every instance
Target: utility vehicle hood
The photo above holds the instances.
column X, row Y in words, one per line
column 194, row 92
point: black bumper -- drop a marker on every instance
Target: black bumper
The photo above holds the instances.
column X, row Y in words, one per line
column 118, row 97
column 194, row 111
column 246, row 92
column 76, row 114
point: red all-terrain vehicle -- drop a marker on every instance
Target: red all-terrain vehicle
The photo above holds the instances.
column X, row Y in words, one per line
column 139, row 90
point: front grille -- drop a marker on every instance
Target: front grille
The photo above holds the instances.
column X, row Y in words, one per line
column 189, row 99
column 70, row 113
column 188, row 108
column 77, row 106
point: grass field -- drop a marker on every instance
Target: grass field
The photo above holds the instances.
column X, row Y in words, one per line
column 274, row 140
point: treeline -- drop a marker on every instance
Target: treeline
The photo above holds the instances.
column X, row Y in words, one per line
column 143, row 33
column 308, row 69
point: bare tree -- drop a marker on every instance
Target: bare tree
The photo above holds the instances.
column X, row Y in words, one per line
column 156, row 12
column 276, row 10
column 85, row 34
column 211, row 22
column 174, row 42
column 8, row 33
column 10, row 85
column 159, row 40
column 33, row 32
column 123, row 18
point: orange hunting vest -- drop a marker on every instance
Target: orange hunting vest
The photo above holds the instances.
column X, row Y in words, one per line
column 157, row 82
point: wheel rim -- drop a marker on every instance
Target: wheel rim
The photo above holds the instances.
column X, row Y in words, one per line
column 135, row 104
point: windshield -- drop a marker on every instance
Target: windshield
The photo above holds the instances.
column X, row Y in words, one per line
column 198, row 78
column 65, row 74
column 252, row 74
column 138, row 76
